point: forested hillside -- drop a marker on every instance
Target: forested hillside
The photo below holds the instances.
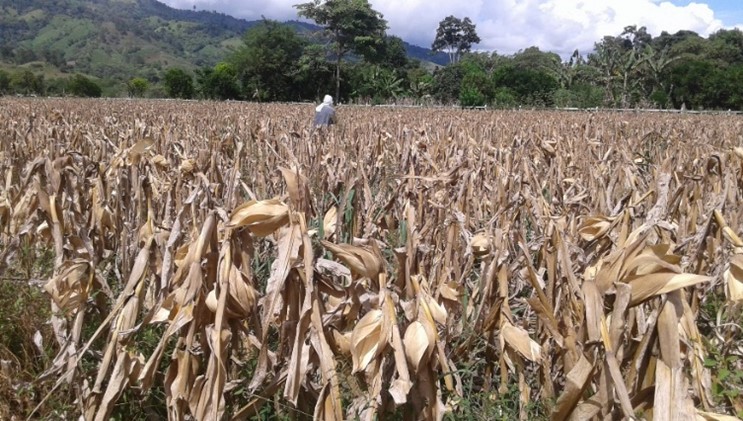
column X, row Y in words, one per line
column 116, row 40
column 145, row 48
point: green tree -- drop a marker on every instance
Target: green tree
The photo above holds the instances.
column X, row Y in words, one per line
column 420, row 83
column 267, row 62
column 692, row 82
column 656, row 62
column 726, row 46
column 471, row 96
column 634, row 41
column 202, row 81
column 395, row 55
column 137, row 87
column 728, row 89
column 630, row 75
column 315, row 74
column 571, row 70
column 580, row 95
column 4, row 82
column 57, row 86
column 608, row 58
column 24, row 55
column 447, row 82
column 379, row 83
column 636, row 38
column 529, row 86
column 578, row 84
column 686, row 45
column 178, row 84
column 26, row 82
column 351, row 24
column 666, row 40
column 533, row 58
column 476, row 87
column 79, row 85
column 388, row 52
column 455, row 36
column 219, row 82
column 703, row 84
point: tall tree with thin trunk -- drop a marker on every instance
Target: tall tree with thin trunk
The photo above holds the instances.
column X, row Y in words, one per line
column 350, row 24
column 455, row 36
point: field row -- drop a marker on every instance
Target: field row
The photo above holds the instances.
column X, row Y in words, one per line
column 233, row 262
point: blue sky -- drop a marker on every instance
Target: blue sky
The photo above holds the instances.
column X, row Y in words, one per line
column 507, row 26
column 729, row 11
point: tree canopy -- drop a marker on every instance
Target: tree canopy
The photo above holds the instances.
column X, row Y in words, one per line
column 137, row 87
column 352, row 25
column 267, row 62
column 178, row 84
column 353, row 57
column 80, row 85
column 455, row 36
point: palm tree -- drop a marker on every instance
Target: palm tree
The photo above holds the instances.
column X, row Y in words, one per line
column 629, row 72
column 657, row 62
column 608, row 59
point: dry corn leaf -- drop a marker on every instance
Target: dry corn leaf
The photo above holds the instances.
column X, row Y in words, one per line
column 400, row 387
column 480, row 244
column 417, row 344
column 160, row 161
column 324, row 409
column 548, row 148
column 291, row 178
column 438, row 312
column 671, row 401
column 594, row 305
column 619, row 386
column 734, row 279
column 127, row 365
column 70, row 289
column 289, row 242
column 211, row 300
column 329, row 222
column 595, row 227
column 709, row 416
column 668, row 331
column 262, row 217
column 738, row 152
column 188, row 166
column 653, row 259
column 650, row 285
column 518, row 339
column 242, row 296
column 90, row 200
column 299, row 359
column 449, row 291
column 360, row 260
column 211, row 402
column 368, row 339
column 139, row 149
column 575, row 383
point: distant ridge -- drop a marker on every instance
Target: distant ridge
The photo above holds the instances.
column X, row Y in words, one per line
column 120, row 39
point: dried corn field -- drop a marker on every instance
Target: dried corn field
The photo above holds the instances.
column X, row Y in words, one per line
column 226, row 262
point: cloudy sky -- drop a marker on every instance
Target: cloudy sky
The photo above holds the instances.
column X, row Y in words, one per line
column 507, row 26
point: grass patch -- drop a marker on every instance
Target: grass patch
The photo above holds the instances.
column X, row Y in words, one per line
column 24, row 311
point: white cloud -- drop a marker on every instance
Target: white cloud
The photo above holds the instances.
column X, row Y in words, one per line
column 507, row 26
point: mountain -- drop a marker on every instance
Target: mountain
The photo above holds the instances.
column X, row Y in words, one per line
column 425, row 54
column 114, row 38
column 120, row 39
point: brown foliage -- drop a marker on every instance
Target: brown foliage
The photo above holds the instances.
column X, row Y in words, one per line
column 577, row 247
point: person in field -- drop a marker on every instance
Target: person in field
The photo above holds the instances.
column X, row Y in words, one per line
column 325, row 113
